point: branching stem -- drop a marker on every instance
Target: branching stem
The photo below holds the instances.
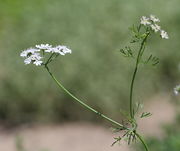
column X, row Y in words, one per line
column 142, row 141
column 82, row 103
column 140, row 53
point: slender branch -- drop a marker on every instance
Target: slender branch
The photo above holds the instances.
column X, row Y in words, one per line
column 82, row 103
column 142, row 141
column 49, row 60
column 140, row 53
column 139, row 27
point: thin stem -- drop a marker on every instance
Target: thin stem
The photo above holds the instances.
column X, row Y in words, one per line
column 82, row 103
column 49, row 60
column 139, row 27
column 142, row 141
column 140, row 53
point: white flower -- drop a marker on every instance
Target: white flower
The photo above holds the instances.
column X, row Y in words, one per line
column 43, row 46
column 177, row 90
column 154, row 19
column 164, row 35
column 29, row 51
column 145, row 21
column 58, row 50
column 32, row 50
column 62, row 50
column 48, row 50
column 27, row 61
column 24, row 53
column 33, row 55
column 66, row 50
column 38, row 62
column 55, row 50
column 155, row 27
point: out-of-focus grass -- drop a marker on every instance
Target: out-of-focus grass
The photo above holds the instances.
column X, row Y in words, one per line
column 20, row 145
column 171, row 141
column 96, row 72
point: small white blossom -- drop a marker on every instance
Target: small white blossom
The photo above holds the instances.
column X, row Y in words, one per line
column 177, row 90
column 24, row 54
column 152, row 23
column 164, row 35
column 43, row 46
column 34, row 58
column 29, row 51
column 155, row 27
column 38, row 62
column 66, row 50
column 154, row 19
column 33, row 55
column 145, row 20
column 62, row 50
column 58, row 49
column 48, row 50
column 27, row 61
column 32, row 50
column 55, row 50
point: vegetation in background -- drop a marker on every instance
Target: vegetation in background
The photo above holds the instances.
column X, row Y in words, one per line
column 171, row 141
column 95, row 72
column 20, row 145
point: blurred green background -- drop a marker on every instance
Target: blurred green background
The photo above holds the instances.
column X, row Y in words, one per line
column 95, row 72
column 169, row 142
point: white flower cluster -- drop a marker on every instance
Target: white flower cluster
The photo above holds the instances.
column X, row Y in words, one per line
column 177, row 90
column 33, row 55
column 152, row 22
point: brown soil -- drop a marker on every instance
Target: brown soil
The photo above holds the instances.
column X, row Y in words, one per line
column 67, row 137
column 84, row 136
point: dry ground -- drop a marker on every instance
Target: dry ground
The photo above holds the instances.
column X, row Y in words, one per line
column 85, row 136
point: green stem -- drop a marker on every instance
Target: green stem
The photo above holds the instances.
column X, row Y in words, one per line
column 49, row 60
column 142, row 141
column 82, row 103
column 134, row 75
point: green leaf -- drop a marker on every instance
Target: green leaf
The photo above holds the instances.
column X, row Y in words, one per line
column 145, row 114
column 127, row 52
column 138, row 107
column 117, row 139
column 152, row 60
column 117, row 129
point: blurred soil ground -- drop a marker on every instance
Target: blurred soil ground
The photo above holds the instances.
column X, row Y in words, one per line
column 85, row 136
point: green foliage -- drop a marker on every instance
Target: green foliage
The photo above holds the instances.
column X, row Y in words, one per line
column 171, row 141
column 127, row 52
column 95, row 71
column 19, row 144
column 145, row 114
